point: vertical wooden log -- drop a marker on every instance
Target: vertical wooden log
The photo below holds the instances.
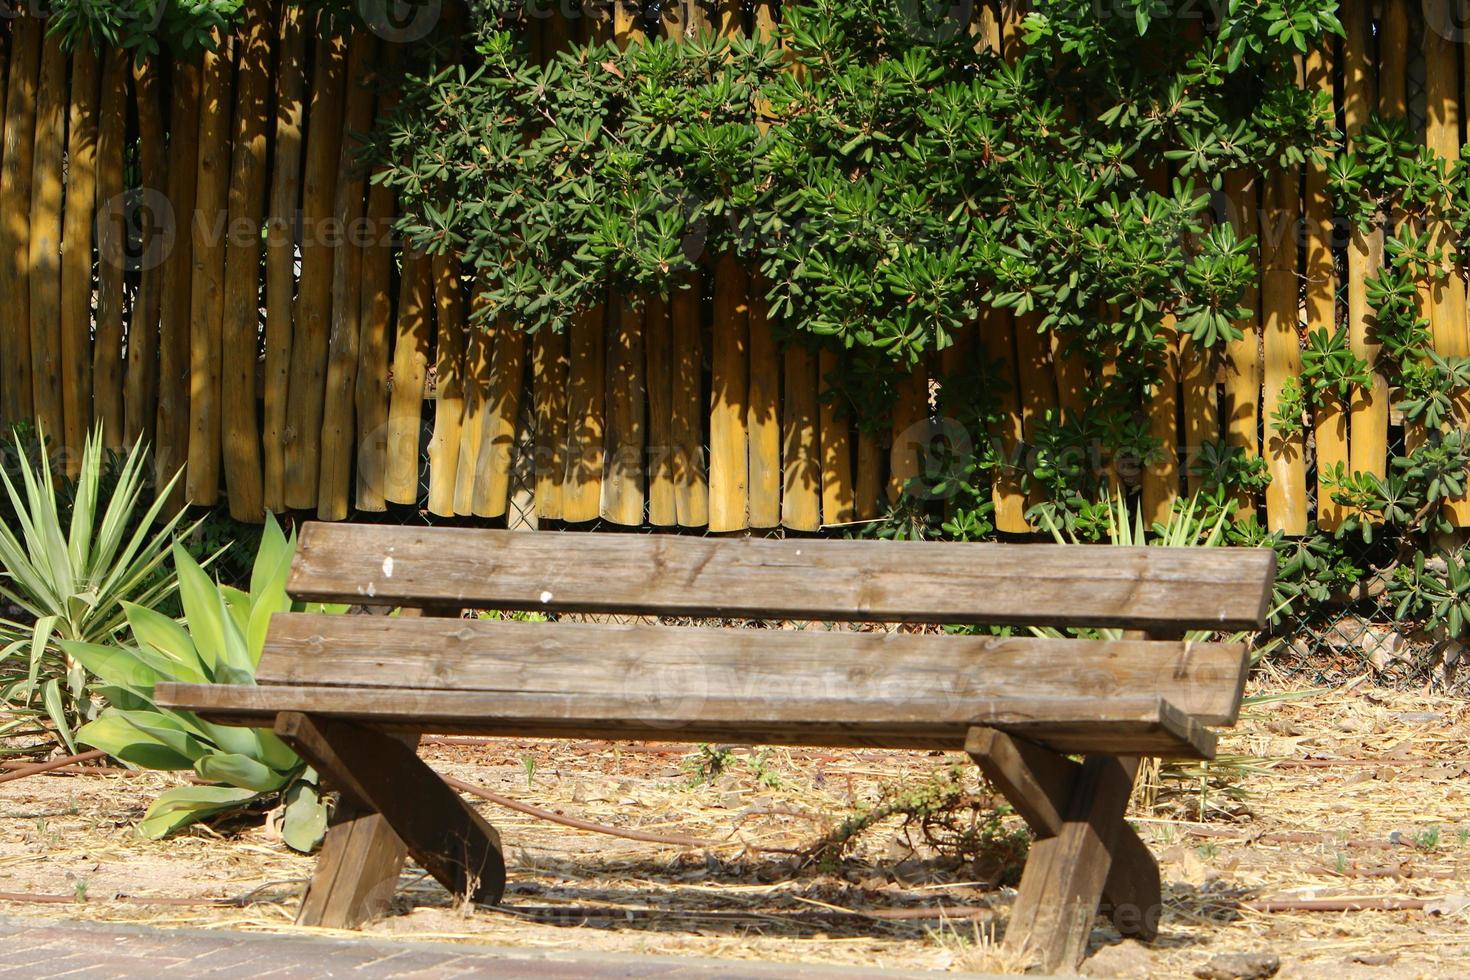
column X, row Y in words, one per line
column 622, row 480
column 1161, row 475
column 1286, row 497
column 1037, row 378
column 582, row 488
column 1197, row 372
column 410, row 375
column 76, row 255
column 869, row 489
column 1443, row 297
column 763, row 412
column 996, row 338
column 1368, row 436
column 338, row 434
column 627, row 24
column 907, row 451
column 376, row 304
column 313, row 316
column 45, row 245
column 729, row 395
column 172, row 427
column 1071, row 369
column 657, row 353
column 1393, row 55
column 501, row 434
column 107, row 350
column 687, row 459
column 1330, row 418
column 1243, row 356
column 15, row 220
column 207, row 294
column 448, row 385
column 549, row 380
column 158, row 242
column 801, row 496
column 280, row 251
column 839, row 504
column 479, row 336
column 985, row 27
column 240, row 336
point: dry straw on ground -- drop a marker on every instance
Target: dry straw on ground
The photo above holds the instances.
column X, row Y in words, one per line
column 1354, row 794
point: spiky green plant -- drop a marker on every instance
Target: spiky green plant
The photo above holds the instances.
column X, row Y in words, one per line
column 72, row 582
column 220, row 641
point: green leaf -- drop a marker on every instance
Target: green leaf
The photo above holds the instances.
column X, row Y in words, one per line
column 305, row 821
column 112, row 733
column 51, row 697
column 239, row 770
column 184, row 805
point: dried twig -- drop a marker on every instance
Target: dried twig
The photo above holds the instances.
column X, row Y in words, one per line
column 53, row 764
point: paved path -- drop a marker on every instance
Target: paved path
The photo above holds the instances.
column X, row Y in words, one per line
column 83, row 951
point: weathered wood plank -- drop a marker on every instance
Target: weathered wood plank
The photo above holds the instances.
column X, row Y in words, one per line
column 356, row 873
column 948, row 673
column 1097, row 725
column 445, row 836
column 1039, row 784
column 947, row 582
column 1064, row 875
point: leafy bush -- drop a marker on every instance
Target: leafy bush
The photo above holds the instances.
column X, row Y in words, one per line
column 220, row 642
column 72, row 576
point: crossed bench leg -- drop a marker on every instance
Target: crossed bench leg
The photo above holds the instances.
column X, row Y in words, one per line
column 1084, row 850
column 392, row 804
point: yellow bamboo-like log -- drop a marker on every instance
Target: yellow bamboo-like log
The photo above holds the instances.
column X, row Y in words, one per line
column 376, row 304
column 502, row 433
column 1197, row 373
column 15, row 220
column 1243, row 357
column 1071, row 370
column 45, row 244
column 1037, row 378
column 839, row 502
column 240, row 335
column 207, row 294
column 658, row 366
column 1286, row 496
column 627, row 24
column 729, row 397
column 76, row 255
column 1368, row 436
column 1443, row 297
column 622, row 481
column 140, row 384
column 338, row 433
column 549, row 378
column 801, row 496
column 280, row 251
column 1012, row 13
column 4, row 80
column 313, row 314
column 172, row 427
column 477, row 353
column 996, row 337
column 1330, row 419
column 107, row 348
column 687, row 459
column 410, row 374
column 869, row 489
column 581, row 498
column 1393, row 56
column 448, row 385
column 763, row 412
column 556, row 34
column 908, row 430
column 1161, row 474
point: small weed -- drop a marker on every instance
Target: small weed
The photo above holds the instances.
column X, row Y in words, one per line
column 1427, row 840
column 79, row 889
column 1208, row 850
column 764, row 774
column 528, row 763
column 1342, row 863
column 706, row 765
column 1463, row 836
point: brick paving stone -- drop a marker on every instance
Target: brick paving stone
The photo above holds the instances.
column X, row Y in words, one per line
column 43, row 949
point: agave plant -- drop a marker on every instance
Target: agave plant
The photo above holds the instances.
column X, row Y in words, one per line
column 220, row 641
column 71, row 583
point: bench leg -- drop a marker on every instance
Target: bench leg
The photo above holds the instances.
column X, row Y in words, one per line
column 356, row 873
column 381, row 775
column 1084, row 849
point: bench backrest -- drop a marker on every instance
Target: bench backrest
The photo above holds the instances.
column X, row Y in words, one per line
column 1162, row 590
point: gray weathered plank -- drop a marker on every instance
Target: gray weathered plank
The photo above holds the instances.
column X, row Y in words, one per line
column 939, row 582
column 1101, row 725
column 938, row 675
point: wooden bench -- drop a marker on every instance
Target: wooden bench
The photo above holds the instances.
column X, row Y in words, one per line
column 352, row 693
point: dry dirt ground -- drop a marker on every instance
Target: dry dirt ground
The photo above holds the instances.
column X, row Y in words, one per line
column 1352, row 793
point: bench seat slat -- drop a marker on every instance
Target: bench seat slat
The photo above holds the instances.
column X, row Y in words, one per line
column 937, row 676
column 1108, row 725
column 935, row 582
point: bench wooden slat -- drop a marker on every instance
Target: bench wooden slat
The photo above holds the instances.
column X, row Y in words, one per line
column 1109, row 725
column 935, row 582
column 937, row 675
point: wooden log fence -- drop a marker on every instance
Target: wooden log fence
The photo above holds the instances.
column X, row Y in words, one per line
column 191, row 256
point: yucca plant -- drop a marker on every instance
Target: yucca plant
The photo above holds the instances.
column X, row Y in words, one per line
column 220, row 641
column 71, row 582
